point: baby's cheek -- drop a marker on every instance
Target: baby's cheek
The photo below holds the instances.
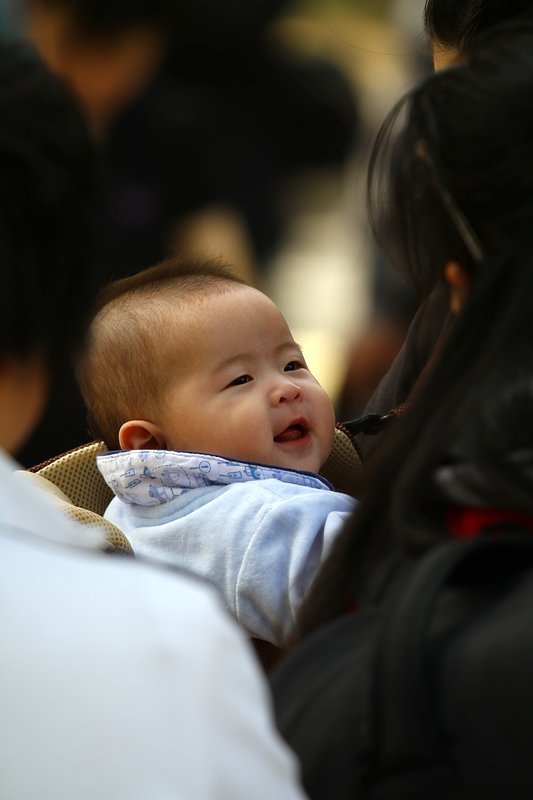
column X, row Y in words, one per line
column 328, row 411
column 326, row 426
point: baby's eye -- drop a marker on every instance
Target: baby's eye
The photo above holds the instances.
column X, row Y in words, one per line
column 294, row 365
column 241, row 380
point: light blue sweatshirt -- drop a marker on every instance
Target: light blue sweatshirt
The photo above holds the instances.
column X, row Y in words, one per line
column 258, row 533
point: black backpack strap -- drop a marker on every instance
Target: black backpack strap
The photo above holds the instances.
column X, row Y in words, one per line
column 406, row 729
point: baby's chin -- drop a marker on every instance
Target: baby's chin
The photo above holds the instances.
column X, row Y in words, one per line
column 299, row 465
column 282, row 459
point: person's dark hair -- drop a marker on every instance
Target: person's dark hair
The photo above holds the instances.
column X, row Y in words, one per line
column 48, row 193
column 457, row 173
column 462, row 168
column 132, row 350
column 458, row 23
column 193, row 23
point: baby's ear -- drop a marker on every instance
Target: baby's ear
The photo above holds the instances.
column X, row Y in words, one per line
column 138, row 434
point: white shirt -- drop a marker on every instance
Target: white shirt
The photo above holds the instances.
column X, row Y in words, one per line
column 118, row 681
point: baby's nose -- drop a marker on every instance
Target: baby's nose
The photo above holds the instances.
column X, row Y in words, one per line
column 285, row 391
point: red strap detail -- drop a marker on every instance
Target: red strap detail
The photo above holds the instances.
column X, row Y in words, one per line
column 465, row 523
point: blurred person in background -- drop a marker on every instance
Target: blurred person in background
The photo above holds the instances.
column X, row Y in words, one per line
column 201, row 121
column 393, row 301
column 116, row 681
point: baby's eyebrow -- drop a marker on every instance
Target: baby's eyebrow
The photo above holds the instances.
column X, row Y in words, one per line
column 295, row 347
column 238, row 357
column 289, row 346
column 228, row 362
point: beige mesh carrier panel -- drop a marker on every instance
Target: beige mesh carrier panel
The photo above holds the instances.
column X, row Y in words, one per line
column 85, row 492
column 343, row 465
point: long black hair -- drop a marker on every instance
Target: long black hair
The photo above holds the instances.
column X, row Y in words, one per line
column 460, row 188
column 458, row 23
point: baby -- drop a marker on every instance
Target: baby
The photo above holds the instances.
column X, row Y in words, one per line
column 217, row 429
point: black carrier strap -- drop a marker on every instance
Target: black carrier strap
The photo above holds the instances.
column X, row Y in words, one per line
column 407, row 730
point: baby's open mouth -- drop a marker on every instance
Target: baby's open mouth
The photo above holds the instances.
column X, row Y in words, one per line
column 292, row 433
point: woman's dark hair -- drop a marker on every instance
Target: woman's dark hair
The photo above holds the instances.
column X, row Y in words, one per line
column 48, row 192
column 461, row 187
column 456, row 178
column 458, row 23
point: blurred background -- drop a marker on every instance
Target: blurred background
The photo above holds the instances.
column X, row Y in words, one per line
column 347, row 306
column 245, row 132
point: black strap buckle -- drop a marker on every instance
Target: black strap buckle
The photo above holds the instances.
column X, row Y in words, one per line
column 369, row 424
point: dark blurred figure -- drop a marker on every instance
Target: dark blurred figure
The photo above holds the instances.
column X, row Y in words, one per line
column 452, row 29
column 202, row 121
column 393, row 305
column 393, row 301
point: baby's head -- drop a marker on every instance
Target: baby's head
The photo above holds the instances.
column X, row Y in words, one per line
column 188, row 357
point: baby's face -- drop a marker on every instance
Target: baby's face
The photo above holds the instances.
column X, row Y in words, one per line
column 246, row 392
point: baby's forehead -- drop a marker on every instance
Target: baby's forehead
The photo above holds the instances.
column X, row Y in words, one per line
column 238, row 308
column 181, row 319
column 226, row 299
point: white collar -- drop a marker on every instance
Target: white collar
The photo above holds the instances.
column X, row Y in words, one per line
column 153, row 477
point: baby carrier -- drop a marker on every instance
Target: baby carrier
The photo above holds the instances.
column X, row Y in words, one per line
column 428, row 696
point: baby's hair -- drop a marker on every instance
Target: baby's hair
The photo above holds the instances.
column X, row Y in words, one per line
column 127, row 363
